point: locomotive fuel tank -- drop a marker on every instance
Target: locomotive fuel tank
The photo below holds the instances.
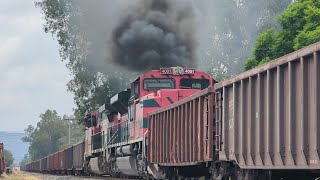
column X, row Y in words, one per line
column 127, row 161
column 95, row 166
column 128, row 165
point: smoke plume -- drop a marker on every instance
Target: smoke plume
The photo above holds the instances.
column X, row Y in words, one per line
column 224, row 31
column 156, row 34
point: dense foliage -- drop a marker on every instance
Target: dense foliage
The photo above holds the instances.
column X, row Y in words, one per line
column 26, row 159
column 235, row 25
column 300, row 26
column 50, row 135
column 8, row 157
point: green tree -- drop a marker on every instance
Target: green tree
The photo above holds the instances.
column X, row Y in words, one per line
column 26, row 159
column 8, row 157
column 46, row 137
column 263, row 46
column 300, row 26
column 76, row 133
column 250, row 63
column 90, row 86
column 233, row 27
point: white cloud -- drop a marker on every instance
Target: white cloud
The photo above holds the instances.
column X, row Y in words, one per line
column 32, row 77
column 26, row 24
column 16, row 32
column 18, row 7
column 7, row 47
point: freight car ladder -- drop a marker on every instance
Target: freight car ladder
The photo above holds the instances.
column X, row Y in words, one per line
column 218, row 121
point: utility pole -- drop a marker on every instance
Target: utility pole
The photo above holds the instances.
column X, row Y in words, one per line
column 69, row 132
column 70, row 118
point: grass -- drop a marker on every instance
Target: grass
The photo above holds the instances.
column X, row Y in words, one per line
column 18, row 176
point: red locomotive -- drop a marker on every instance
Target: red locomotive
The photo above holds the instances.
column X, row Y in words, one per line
column 116, row 134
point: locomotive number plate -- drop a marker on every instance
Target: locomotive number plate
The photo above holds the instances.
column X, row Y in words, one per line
column 166, row 71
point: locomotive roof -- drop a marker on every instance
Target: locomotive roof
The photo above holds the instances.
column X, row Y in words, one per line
column 158, row 70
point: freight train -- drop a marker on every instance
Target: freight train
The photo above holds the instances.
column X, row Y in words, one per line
column 2, row 161
column 180, row 123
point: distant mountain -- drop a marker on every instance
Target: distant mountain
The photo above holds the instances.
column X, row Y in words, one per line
column 12, row 141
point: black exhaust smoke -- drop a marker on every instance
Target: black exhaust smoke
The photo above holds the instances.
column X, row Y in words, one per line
column 156, row 34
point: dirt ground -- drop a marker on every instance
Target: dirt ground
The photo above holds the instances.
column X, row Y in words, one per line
column 20, row 175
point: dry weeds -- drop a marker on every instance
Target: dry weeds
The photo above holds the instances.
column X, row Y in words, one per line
column 18, row 176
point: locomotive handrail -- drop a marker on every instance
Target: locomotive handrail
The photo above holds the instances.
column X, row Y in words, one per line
column 117, row 124
column 113, row 137
column 118, row 127
column 144, row 144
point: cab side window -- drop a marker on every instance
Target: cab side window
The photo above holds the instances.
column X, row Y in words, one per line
column 189, row 83
column 135, row 89
column 158, row 83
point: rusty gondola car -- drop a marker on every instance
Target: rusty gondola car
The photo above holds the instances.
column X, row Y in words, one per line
column 44, row 164
column 68, row 155
column 78, row 158
column 181, row 135
column 2, row 161
column 268, row 117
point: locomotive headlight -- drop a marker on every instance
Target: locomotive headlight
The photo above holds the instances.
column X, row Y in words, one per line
column 177, row 71
column 181, row 70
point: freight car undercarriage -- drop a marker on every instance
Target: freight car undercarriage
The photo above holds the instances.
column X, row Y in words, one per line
column 219, row 171
column 230, row 170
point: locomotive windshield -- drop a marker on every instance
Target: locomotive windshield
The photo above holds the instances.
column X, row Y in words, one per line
column 157, row 83
column 188, row 83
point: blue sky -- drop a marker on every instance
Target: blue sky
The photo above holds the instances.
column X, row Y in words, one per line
column 32, row 76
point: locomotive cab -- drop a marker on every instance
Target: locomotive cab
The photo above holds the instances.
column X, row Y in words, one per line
column 155, row 89
column 126, row 130
column 169, row 78
column 160, row 88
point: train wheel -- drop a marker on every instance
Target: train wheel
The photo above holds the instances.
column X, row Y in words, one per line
column 250, row 175
column 173, row 174
column 265, row 175
column 149, row 177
